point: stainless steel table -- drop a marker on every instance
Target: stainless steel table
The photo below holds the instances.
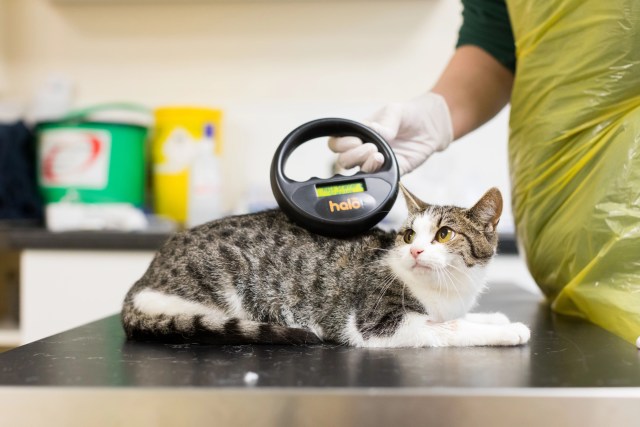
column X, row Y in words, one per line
column 571, row 373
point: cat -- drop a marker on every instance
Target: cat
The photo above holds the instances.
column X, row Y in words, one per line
column 260, row 278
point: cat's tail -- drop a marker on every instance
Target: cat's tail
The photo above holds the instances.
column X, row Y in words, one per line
column 210, row 326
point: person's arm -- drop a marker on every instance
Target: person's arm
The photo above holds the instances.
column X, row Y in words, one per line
column 475, row 87
column 472, row 89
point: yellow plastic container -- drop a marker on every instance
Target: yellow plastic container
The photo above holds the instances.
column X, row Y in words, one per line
column 177, row 131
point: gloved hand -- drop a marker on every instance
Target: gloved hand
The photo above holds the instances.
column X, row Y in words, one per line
column 414, row 129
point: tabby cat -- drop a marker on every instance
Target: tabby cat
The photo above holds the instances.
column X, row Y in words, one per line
column 260, row 278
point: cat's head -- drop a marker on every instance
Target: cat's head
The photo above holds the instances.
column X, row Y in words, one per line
column 438, row 244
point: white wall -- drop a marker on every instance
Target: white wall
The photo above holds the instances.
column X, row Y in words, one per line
column 218, row 52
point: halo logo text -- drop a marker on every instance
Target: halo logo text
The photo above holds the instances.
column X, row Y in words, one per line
column 347, row 205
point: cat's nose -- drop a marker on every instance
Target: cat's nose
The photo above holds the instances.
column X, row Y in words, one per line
column 416, row 251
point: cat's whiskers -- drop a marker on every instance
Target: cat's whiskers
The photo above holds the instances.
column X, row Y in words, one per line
column 379, row 261
column 365, row 266
column 388, row 281
column 381, row 249
column 441, row 282
column 452, row 281
column 462, row 271
column 403, row 288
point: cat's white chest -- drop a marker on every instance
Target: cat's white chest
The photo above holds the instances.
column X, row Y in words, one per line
column 449, row 299
column 442, row 308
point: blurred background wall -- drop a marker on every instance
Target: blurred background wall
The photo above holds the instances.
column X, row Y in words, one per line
column 269, row 64
column 223, row 51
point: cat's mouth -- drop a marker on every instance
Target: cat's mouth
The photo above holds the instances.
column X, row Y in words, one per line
column 421, row 268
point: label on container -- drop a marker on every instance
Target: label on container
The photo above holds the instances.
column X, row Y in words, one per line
column 74, row 158
column 177, row 154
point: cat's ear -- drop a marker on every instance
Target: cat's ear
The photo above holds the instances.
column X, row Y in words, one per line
column 488, row 209
column 414, row 205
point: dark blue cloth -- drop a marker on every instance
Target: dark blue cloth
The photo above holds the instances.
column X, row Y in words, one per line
column 19, row 196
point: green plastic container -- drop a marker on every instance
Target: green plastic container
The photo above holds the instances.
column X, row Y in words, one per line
column 96, row 155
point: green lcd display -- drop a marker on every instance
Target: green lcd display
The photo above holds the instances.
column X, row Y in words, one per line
column 344, row 188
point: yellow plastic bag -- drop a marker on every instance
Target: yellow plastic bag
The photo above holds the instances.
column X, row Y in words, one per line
column 575, row 155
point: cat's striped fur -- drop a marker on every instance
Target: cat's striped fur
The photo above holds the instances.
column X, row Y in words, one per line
column 260, row 278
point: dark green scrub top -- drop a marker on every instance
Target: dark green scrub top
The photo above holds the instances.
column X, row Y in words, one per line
column 485, row 23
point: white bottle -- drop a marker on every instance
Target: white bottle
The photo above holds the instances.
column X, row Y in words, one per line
column 205, row 185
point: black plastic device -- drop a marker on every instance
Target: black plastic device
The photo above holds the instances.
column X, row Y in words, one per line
column 340, row 206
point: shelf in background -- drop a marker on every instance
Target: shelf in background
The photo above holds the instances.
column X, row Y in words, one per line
column 20, row 238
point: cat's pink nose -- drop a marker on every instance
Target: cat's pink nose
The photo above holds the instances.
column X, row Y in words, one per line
column 416, row 251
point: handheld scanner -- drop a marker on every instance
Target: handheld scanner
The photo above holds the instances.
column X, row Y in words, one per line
column 340, row 206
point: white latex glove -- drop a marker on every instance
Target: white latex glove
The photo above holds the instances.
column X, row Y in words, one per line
column 414, row 130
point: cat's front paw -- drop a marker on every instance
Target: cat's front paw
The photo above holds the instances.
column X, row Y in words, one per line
column 513, row 334
column 462, row 333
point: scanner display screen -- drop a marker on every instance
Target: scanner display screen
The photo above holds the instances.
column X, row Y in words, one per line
column 326, row 190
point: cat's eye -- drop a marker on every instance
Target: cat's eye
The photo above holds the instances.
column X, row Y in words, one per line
column 445, row 234
column 409, row 235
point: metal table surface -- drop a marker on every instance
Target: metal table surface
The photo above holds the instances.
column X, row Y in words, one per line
column 570, row 372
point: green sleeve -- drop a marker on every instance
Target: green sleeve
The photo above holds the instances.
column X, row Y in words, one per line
column 485, row 23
